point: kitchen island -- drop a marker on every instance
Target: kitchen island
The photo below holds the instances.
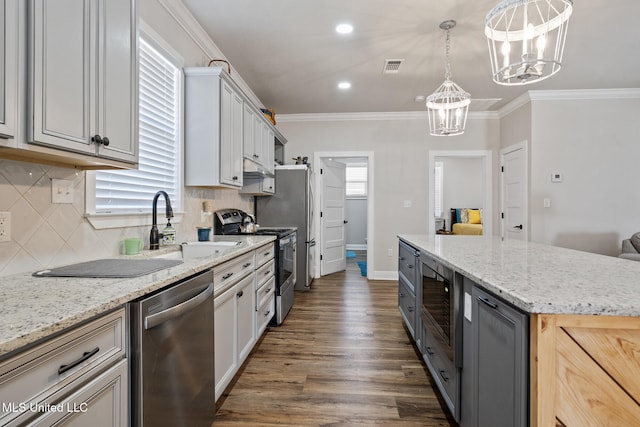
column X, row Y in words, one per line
column 584, row 322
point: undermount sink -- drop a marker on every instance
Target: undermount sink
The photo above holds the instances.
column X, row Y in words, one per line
column 204, row 249
column 198, row 250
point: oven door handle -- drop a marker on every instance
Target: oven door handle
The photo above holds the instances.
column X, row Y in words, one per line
column 156, row 319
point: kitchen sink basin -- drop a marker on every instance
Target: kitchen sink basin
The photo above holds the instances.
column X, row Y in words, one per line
column 204, row 249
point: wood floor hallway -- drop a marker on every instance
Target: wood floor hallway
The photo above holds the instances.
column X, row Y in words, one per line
column 341, row 358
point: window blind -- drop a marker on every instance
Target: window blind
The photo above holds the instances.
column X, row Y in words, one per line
column 132, row 191
column 356, row 181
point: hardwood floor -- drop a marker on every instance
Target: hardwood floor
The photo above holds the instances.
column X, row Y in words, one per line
column 342, row 357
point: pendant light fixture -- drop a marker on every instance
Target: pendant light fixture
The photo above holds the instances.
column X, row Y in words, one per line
column 448, row 105
column 526, row 39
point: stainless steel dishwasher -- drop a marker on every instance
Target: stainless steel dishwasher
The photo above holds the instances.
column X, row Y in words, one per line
column 172, row 363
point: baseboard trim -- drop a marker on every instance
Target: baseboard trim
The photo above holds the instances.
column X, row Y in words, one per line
column 356, row 247
column 384, row 275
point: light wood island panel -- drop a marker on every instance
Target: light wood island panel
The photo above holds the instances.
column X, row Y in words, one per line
column 585, row 370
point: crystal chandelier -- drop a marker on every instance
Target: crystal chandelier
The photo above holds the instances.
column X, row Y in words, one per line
column 448, row 105
column 526, row 39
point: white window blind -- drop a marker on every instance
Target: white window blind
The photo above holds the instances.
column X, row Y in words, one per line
column 132, row 191
column 356, row 181
column 438, row 185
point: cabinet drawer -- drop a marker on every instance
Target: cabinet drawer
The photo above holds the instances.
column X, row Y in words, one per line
column 265, row 272
column 408, row 263
column 38, row 373
column 407, row 305
column 265, row 253
column 265, row 314
column 265, row 291
column 230, row 272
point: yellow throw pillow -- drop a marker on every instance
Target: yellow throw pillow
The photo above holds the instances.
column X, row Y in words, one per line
column 474, row 217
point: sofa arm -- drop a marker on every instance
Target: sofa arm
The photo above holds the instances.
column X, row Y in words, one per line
column 627, row 247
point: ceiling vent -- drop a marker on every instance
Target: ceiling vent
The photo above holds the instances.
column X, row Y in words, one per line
column 392, row 66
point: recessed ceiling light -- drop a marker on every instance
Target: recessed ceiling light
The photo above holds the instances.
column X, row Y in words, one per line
column 344, row 85
column 344, row 28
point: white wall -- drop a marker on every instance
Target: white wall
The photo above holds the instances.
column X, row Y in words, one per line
column 595, row 145
column 401, row 149
column 462, row 183
column 355, row 212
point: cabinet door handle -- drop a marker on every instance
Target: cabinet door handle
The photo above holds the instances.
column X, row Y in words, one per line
column 97, row 139
column 246, row 265
column 402, row 258
column 429, row 351
column 240, row 294
column 85, row 356
column 489, row 303
column 267, row 291
column 443, row 374
column 226, row 276
column 410, row 265
column 518, row 226
column 105, row 141
column 267, row 313
column 410, row 309
column 268, row 272
column 235, row 178
column 400, row 294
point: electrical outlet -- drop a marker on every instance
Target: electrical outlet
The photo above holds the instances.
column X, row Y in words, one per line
column 390, row 252
column 5, row 226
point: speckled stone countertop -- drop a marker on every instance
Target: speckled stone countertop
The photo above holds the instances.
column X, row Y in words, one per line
column 540, row 278
column 33, row 308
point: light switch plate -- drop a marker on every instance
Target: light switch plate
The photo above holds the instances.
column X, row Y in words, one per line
column 61, row 191
column 5, row 226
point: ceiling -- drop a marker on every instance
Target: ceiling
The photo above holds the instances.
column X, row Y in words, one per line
column 288, row 52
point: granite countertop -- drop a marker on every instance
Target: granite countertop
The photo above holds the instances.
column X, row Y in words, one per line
column 540, row 278
column 34, row 308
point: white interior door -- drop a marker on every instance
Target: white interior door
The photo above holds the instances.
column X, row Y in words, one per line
column 514, row 190
column 332, row 217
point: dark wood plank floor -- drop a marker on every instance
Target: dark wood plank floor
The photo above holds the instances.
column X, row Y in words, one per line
column 342, row 357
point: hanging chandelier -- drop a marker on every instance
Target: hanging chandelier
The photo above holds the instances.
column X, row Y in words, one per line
column 526, row 39
column 448, row 105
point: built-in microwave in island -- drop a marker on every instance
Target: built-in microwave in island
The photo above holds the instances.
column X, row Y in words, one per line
column 442, row 328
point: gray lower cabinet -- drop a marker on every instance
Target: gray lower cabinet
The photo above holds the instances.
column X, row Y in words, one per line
column 407, row 305
column 494, row 384
column 409, row 288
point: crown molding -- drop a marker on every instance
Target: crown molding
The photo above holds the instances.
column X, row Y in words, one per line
column 568, row 95
column 194, row 30
column 375, row 116
column 583, row 94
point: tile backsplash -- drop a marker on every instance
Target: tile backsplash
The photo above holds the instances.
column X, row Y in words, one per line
column 44, row 234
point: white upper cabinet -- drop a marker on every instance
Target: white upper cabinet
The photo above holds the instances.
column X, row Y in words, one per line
column 213, row 129
column 83, row 77
column 8, row 68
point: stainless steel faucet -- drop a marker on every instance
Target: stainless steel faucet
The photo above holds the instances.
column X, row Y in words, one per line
column 154, row 237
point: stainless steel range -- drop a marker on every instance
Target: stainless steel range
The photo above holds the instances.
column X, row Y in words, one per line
column 232, row 221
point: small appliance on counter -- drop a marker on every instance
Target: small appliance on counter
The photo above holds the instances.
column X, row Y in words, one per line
column 236, row 221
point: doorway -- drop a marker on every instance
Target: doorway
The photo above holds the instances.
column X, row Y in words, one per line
column 363, row 250
column 485, row 157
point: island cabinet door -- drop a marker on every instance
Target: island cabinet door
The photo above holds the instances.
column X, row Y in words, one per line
column 495, row 369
